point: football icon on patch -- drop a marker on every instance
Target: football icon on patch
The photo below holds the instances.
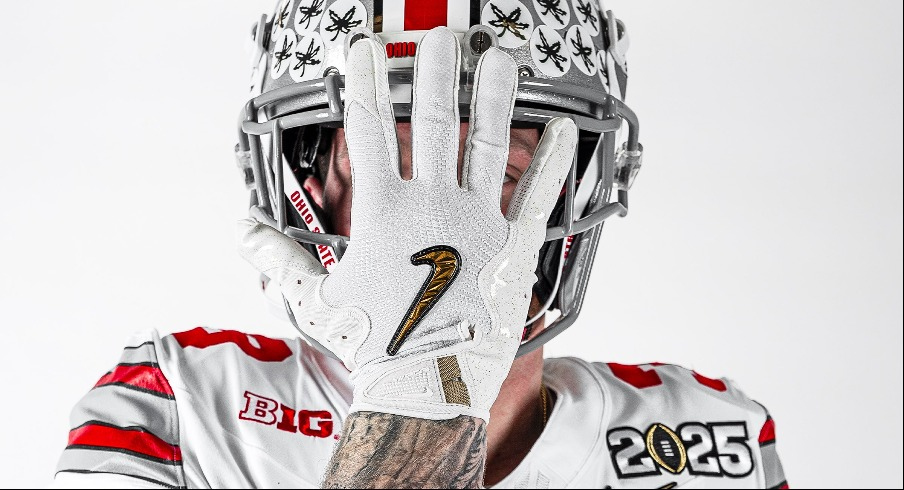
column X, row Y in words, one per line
column 666, row 448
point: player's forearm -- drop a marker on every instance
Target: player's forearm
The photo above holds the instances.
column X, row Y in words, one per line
column 379, row 450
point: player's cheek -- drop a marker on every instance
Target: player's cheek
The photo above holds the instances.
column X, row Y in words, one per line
column 337, row 198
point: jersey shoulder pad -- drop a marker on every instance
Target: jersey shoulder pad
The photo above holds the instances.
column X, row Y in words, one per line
column 127, row 424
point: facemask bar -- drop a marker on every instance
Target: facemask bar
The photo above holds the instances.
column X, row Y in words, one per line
column 320, row 102
column 570, row 292
column 268, row 204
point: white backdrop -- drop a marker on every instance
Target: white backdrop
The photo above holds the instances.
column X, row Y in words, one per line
column 764, row 241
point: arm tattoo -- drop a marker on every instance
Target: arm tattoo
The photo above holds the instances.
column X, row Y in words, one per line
column 379, row 450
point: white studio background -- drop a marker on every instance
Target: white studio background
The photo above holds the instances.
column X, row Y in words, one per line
column 764, row 241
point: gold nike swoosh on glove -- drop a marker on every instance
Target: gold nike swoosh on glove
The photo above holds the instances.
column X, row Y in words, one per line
column 446, row 263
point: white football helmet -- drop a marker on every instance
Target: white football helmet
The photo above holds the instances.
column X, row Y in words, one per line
column 571, row 58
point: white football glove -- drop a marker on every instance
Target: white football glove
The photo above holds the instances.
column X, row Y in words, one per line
column 427, row 306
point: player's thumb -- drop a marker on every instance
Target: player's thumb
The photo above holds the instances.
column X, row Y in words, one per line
column 540, row 186
column 272, row 253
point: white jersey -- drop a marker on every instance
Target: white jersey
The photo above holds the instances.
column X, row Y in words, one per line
column 212, row 409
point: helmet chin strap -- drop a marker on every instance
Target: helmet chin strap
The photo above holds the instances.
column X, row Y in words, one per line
column 555, row 289
column 303, row 206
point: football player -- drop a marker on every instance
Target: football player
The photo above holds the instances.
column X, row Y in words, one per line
column 429, row 180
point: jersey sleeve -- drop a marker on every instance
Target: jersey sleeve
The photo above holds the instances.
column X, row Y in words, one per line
column 125, row 431
column 773, row 472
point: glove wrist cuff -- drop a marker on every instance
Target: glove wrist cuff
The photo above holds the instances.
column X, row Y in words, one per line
column 428, row 387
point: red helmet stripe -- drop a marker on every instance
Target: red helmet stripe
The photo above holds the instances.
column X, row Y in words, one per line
column 421, row 15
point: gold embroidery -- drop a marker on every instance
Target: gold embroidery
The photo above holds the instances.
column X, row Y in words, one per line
column 653, row 450
column 446, row 262
column 454, row 388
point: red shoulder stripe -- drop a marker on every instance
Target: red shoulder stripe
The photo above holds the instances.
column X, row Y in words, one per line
column 146, row 377
column 767, row 433
column 635, row 375
column 262, row 348
column 133, row 440
column 715, row 384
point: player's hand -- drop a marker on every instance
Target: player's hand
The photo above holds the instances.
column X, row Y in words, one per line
column 428, row 303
